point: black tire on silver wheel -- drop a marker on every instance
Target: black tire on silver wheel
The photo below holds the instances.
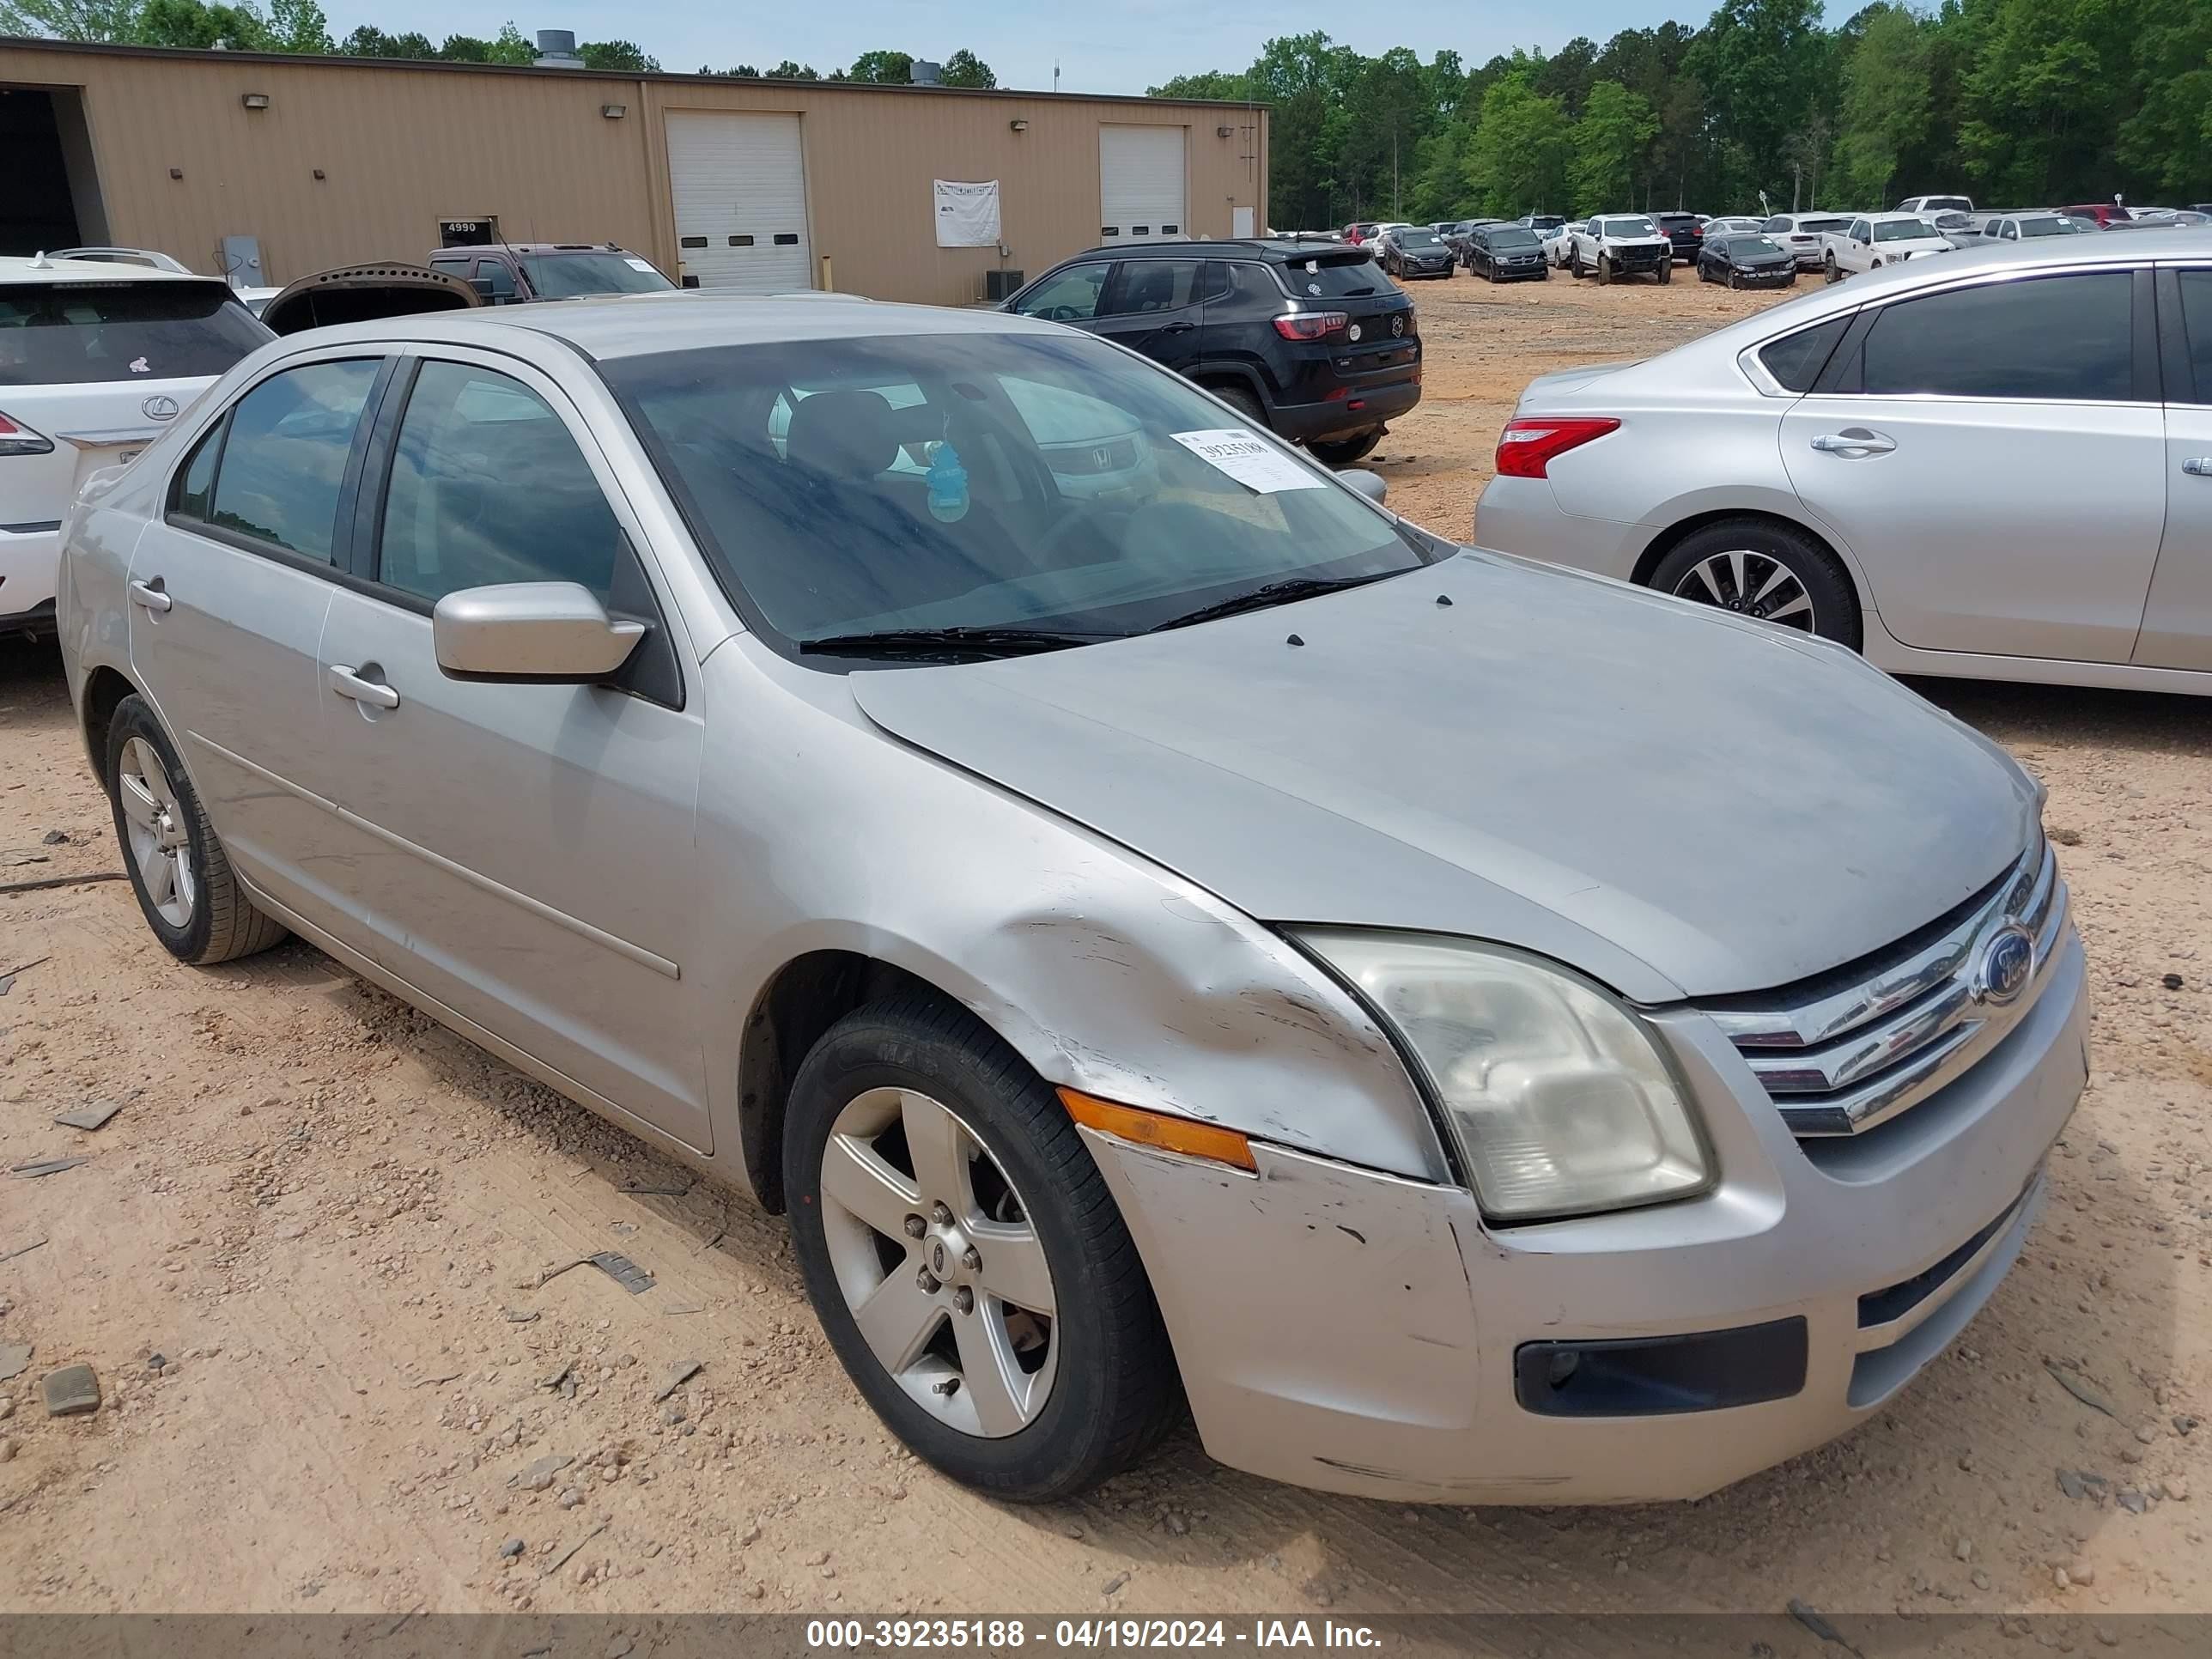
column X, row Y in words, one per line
column 1733, row 283
column 1343, row 452
column 1604, row 270
column 185, row 887
column 1828, row 264
column 965, row 1258
column 1765, row 569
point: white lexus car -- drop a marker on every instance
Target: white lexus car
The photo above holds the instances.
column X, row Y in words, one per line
column 96, row 358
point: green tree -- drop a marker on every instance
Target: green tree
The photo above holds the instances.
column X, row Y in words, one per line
column 789, row 70
column 299, row 26
column 70, row 20
column 2043, row 99
column 1885, row 104
column 1215, row 86
column 892, row 69
column 965, row 68
column 462, row 49
column 2167, row 141
column 508, row 46
column 616, row 55
column 1759, row 63
column 1616, row 129
column 197, row 25
column 1517, row 162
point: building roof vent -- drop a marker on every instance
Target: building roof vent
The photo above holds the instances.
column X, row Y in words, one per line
column 556, row 49
column 927, row 74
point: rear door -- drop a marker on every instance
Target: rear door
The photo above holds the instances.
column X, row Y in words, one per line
column 1157, row 307
column 1942, row 444
column 2177, row 630
column 522, row 854
column 228, row 592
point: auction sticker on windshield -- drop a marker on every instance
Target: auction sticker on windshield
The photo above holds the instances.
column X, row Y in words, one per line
column 1251, row 461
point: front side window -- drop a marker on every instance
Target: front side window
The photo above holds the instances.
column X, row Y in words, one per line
column 284, row 463
column 84, row 333
column 1070, row 296
column 488, row 486
column 2068, row 337
column 2197, row 325
column 574, row 275
column 1003, row 481
column 1859, row 233
column 497, row 278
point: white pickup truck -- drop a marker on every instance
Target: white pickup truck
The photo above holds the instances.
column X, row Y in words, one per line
column 1874, row 239
column 1619, row 244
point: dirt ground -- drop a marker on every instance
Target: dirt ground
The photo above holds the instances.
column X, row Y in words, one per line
column 328, row 1217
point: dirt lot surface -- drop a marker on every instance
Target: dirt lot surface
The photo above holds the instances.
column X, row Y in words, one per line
column 328, row 1217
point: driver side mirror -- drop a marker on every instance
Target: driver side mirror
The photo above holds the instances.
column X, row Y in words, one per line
column 530, row 634
column 1372, row 485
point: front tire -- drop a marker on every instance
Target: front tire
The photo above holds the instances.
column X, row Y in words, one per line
column 1574, row 263
column 1765, row 569
column 1344, row 451
column 1604, row 270
column 939, row 1194
column 1666, row 271
column 186, row 889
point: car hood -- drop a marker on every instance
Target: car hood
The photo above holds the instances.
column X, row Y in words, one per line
column 1675, row 801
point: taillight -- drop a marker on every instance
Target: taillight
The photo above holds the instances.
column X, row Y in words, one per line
column 16, row 440
column 1526, row 447
column 1311, row 325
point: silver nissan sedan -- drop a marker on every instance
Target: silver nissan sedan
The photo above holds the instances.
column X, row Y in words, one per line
column 1164, row 928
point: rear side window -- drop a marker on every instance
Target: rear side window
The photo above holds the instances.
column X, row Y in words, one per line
column 1337, row 278
column 488, row 486
column 1141, row 286
column 84, row 333
column 2197, row 323
column 1797, row 359
column 198, row 476
column 2049, row 338
column 282, row 466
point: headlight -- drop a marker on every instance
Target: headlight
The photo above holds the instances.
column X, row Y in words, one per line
column 1561, row 1104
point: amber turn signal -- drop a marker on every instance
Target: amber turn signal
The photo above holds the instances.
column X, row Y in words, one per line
column 1161, row 1129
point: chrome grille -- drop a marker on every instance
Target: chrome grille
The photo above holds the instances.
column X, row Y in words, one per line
column 1837, row 1058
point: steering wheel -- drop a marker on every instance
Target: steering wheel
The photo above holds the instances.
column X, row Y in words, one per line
column 1059, row 313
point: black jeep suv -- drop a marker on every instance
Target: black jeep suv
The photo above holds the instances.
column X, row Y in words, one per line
column 1308, row 339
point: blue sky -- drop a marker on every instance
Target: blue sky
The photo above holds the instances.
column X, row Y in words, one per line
column 1102, row 46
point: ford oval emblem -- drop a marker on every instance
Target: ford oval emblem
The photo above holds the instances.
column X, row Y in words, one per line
column 159, row 407
column 2006, row 961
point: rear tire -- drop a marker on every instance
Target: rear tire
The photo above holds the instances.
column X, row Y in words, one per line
column 1828, row 264
column 1766, row 570
column 186, row 890
column 1241, row 399
column 1344, row 451
column 1040, row 1405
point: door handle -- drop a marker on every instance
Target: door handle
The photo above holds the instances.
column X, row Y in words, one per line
column 1853, row 441
column 1178, row 328
column 147, row 594
column 348, row 683
column 2198, row 466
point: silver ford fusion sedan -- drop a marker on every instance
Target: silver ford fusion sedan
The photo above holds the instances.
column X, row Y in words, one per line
column 1203, row 939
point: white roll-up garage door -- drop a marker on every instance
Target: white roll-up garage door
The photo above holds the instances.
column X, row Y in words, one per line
column 1140, row 184
column 739, row 181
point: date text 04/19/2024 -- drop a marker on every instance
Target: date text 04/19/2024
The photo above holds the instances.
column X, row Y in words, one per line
column 1001, row 1634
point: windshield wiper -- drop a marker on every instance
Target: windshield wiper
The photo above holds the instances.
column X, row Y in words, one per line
column 1269, row 595
column 936, row 642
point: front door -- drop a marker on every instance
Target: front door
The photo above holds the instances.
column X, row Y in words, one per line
column 228, row 594
column 2177, row 631
column 1990, row 457
column 525, row 852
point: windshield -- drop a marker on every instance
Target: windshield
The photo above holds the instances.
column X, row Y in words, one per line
column 1545, row 220
column 970, row 480
column 2057, row 225
column 1418, row 239
column 1346, row 276
column 572, row 276
column 1746, row 246
column 79, row 333
column 1902, row 230
column 1638, row 227
column 1511, row 239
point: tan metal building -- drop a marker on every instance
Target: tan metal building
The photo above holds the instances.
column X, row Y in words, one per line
column 750, row 184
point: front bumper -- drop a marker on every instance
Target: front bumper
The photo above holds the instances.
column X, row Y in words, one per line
column 1361, row 1333
column 30, row 568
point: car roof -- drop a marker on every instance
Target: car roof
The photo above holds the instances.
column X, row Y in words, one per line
column 529, row 247
column 684, row 319
column 38, row 269
column 1277, row 249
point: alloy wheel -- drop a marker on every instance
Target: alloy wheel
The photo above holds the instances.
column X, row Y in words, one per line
column 1751, row 583
column 160, row 845
column 937, row 1258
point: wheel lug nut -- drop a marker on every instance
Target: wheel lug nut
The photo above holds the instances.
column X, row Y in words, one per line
column 928, row 1280
column 941, row 1215
column 972, row 1259
column 964, row 1299
column 916, row 1226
